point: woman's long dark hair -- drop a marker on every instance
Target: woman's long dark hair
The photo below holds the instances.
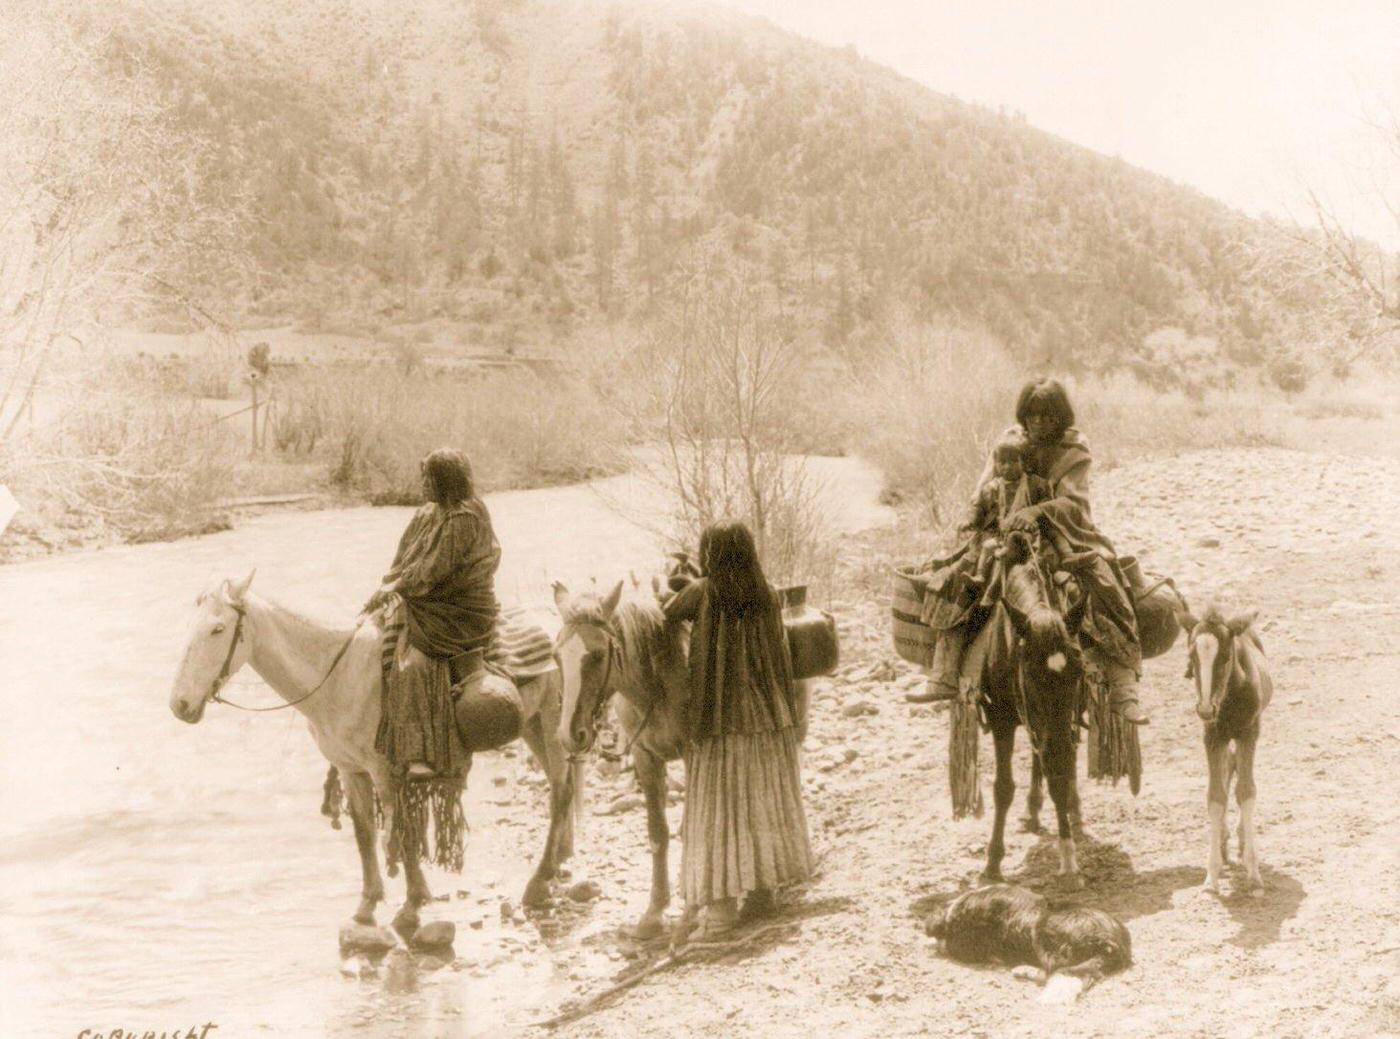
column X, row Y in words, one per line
column 729, row 558
column 1045, row 396
column 449, row 475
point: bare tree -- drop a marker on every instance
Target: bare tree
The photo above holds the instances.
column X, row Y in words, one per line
column 1364, row 275
column 100, row 197
column 722, row 369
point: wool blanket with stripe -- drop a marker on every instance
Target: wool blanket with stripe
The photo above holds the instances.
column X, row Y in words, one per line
column 519, row 648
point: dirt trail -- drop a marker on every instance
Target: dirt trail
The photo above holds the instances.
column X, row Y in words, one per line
column 1319, row 954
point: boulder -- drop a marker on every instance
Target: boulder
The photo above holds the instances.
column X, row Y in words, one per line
column 434, row 936
column 365, row 938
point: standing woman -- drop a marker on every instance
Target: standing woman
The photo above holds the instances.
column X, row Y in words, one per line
column 744, row 829
column 441, row 587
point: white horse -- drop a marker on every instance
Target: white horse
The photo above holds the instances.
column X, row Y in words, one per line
column 333, row 677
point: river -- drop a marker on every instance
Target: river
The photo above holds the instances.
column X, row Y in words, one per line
column 159, row 877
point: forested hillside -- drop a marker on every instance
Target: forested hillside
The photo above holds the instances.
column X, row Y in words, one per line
column 533, row 168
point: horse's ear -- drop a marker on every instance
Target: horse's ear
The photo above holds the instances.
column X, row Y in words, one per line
column 561, row 596
column 1238, row 625
column 237, row 591
column 614, row 597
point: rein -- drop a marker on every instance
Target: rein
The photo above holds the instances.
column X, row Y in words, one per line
column 605, row 694
column 224, row 673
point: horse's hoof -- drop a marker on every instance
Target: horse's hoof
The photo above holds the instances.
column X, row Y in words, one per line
column 1030, row 825
column 992, row 875
column 646, row 929
column 536, row 895
column 365, row 917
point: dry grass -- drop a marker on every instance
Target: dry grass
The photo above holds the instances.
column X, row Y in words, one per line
column 371, row 429
column 930, row 408
column 124, row 457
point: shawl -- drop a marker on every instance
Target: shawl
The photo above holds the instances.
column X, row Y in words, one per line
column 740, row 674
column 1110, row 622
column 444, row 571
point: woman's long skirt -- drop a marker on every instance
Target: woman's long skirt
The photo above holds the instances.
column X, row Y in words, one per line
column 744, row 828
column 418, row 722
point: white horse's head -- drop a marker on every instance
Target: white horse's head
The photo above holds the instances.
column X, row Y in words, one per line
column 586, row 650
column 215, row 648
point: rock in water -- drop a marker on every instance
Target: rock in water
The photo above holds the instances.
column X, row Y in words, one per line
column 366, row 938
column 435, row 936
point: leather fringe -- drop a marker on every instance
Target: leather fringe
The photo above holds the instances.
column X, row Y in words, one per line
column 964, row 740
column 1114, row 750
column 438, row 801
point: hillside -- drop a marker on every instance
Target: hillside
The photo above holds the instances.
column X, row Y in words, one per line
column 529, row 168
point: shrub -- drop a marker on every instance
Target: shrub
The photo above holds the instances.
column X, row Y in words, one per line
column 374, row 428
column 146, row 464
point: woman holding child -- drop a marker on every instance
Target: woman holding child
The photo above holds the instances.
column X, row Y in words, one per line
column 1037, row 479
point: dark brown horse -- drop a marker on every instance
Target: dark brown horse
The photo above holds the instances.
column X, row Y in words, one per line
column 1033, row 676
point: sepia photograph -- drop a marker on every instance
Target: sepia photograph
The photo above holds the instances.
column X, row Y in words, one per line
column 699, row 518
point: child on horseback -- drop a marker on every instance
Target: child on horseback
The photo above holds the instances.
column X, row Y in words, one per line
column 1056, row 453
column 1008, row 491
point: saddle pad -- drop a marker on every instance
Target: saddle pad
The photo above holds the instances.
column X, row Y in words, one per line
column 520, row 647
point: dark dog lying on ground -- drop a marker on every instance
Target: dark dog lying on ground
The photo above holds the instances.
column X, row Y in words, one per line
column 1007, row 924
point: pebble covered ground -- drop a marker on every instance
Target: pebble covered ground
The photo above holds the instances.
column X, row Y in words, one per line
column 1309, row 540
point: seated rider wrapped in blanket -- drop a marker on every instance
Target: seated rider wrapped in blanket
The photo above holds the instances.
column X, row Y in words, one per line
column 1057, row 457
column 442, row 610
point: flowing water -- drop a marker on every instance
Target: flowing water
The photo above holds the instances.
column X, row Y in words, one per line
column 158, row 877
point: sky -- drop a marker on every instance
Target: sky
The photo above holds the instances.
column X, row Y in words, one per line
column 1251, row 101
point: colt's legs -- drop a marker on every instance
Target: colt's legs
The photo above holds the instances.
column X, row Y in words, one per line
column 1217, row 763
column 561, row 796
column 1244, row 794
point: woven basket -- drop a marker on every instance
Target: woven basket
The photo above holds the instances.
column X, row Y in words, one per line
column 913, row 639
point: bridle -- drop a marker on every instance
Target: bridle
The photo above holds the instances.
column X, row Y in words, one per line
column 605, row 693
column 225, row 669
